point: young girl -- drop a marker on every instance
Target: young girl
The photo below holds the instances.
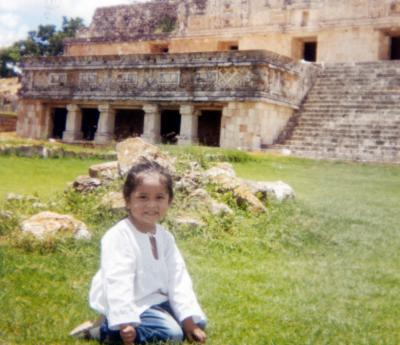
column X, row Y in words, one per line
column 143, row 287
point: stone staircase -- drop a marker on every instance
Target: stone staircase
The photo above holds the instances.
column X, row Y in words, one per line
column 351, row 113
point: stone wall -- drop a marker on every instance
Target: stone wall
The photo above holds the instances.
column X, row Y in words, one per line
column 275, row 25
column 252, row 125
column 33, row 119
column 7, row 123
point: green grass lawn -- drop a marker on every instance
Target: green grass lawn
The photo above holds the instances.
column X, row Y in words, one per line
column 39, row 176
column 323, row 269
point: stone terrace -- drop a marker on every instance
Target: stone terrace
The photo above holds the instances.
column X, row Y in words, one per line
column 352, row 113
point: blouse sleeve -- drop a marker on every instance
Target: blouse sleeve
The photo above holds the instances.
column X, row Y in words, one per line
column 180, row 290
column 118, row 272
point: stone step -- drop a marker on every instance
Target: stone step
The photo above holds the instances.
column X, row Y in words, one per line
column 353, row 155
column 361, row 125
column 350, row 145
column 343, row 94
column 352, row 112
column 344, row 151
column 369, row 156
column 338, row 135
column 339, row 117
column 353, row 105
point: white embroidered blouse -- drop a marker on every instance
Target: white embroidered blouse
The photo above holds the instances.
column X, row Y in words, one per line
column 131, row 279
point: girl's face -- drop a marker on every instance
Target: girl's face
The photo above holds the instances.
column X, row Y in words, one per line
column 149, row 202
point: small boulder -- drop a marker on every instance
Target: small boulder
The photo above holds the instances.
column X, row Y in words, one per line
column 201, row 197
column 188, row 222
column 6, row 215
column 277, row 190
column 240, row 191
column 14, row 197
column 220, row 169
column 86, row 183
column 219, row 208
column 190, row 181
column 19, row 197
column 104, row 171
column 186, row 184
column 48, row 223
column 114, row 200
column 131, row 151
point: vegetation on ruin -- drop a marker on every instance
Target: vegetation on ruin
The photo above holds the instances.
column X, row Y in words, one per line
column 166, row 24
column 322, row 269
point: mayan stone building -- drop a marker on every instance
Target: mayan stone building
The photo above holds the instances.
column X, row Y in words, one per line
column 237, row 73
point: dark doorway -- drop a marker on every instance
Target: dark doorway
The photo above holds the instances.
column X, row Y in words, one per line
column 90, row 119
column 395, row 48
column 170, row 126
column 59, row 118
column 128, row 123
column 210, row 127
column 310, row 51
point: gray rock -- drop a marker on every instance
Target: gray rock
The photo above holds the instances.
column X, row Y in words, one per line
column 240, row 191
column 47, row 223
column 220, row 169
column 14, row 197
column 191, row 223
column 204, row 200
column 276, row 190
column 104, row 171
column 6, row 215
column 86, row 183
column 114, row 200
column 20, row 197
column 219, row 208
column 131, row 151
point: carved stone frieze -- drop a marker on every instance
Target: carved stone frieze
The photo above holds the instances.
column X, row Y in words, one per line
column 255, row 78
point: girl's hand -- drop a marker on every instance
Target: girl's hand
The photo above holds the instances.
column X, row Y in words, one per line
column 197, row 335
column 128, row 334
column 193, row 332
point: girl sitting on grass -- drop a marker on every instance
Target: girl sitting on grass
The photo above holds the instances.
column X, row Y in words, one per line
column 143, row 287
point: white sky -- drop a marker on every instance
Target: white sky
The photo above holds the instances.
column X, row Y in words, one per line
column 17, row 17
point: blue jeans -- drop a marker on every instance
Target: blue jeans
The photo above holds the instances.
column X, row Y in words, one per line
column 158, row 323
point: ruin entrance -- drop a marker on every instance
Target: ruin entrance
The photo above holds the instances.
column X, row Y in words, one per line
column 59, row 120
column 310, row 51
column 90, row 119
column 128, row 123
column 170, row 126
column 209, row 127
column 395, row 48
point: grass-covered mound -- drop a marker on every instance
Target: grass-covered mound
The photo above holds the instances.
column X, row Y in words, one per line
column 321, row 269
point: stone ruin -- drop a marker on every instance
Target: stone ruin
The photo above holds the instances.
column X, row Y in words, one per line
column 192, row 182
column 245, row 74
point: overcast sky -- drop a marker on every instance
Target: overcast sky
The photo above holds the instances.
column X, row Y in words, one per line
column 17, row 17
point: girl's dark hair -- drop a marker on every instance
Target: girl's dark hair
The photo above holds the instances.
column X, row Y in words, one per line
column 146, row 166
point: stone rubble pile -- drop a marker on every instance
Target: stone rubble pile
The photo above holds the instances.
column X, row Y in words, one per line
column 194, row 184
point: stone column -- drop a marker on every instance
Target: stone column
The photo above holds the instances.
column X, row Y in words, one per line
column 152, row 123
column 105, row 128
column 189, row 125
column 74, row 123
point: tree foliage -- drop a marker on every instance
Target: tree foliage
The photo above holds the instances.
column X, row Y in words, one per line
column 47, row 40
